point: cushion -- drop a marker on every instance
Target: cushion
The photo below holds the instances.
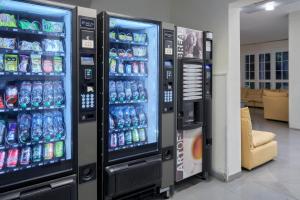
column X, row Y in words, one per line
column 260, row 138
column 275, row 94
column 254, row 92
column 245, row 114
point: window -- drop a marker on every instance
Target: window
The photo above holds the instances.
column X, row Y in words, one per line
column 283, row 86
column 250, row 85
column 282, row 66
column 250, row 67
column 265, row 66
column 265, row 85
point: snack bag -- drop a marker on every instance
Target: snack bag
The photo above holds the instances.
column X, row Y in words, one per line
column 112, row 35
column 24, row 63
column 1, row 102
column 127, row 120
column 52, row 27
column 27, row 25
column 121, row 69
column 111, row 122
column 8, row 43
column 36, row 60
column 11, row 62
column 134, row 90
column 24, row 124
column 37, row 127
column 143, row 68
column 11, row 96
column 128, row 92
column 1, row 62
column 142, row 91
column 37, row 93
column 48, row 126
column 11, row 134
column 48, row 65
column 58, row 125
column 112, row 91
column 119, row 118
column 24, row 94
column 58, row 63
column 112, row 65
column 53, row 45
column 48, row 94
column 134, row 119
column 135, row 67
column 120, row 91
column 142, row 116
column 58, row 93
column 7, row 20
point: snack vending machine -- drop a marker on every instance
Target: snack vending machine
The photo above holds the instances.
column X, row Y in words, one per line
column 39, row 121
column 193, row 137
column 129, row 133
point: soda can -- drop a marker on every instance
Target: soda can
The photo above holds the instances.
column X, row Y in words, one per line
column 59, row 149
column 113, row 140
column 25, row 156
column 142, row 134
column 143, row 69
column 37, row 153
column 2, row 131
column 48, row 151
column 11, row 136
column 12, row 158
column 135, row 135
column 2, row 159
column 121, row 138
column 128, row 137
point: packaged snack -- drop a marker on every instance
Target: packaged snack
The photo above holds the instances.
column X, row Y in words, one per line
column 11, row 96
column 142, row 134
column 7, row 20
column 24, row 24
column 112, row 35
column 25, row 156
column 120, row 91
column 36, row 63
column 121, row 139
column 122, row 36
column 135, row 67
column 135, row 135
column 143, row 68
column 24, row 63
column 8, row 43
column 140, row 37
column 142, row 116
column 112, row 91
column 48, row 127
column 11, row 135
column 113, row 52
column 142, row 91
column 59, row 149
column 48, row 151
column 129, row 37
column 12, row 158
column 119, row 116
column 129, row 53
column 134, row 119
column 2, row 159
column 37, row 127
column 58, row 93
column 113, row 140
column 24, row 94
column 48, row 65
column 139, row 51
column 128, row 138
column 52, row 27
column 128, row 92
column 11, row 62
column 58, row 63
column 1, row 62
column 111, row 122
column 128, row 68
column 48, row 93
column 37, row 153
column 58, row 125
column 121, row 69
column 134, row 90
column 2, row 131
column 24, row 124
column 121, row 53
column 127, row 119
column 112, row 65
column 1, row 102
column 53, row 45
column 30, row 46
column 37, row 93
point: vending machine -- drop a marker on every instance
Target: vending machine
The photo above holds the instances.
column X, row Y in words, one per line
column 130, row 107
column 193, row 135
column 40, row 88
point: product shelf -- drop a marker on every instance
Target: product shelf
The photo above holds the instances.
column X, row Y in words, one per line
column 32, row 32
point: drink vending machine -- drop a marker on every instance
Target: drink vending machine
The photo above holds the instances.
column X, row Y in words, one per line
column 44, row 49
column 129, row 134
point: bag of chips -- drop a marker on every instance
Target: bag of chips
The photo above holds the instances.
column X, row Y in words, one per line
column 52, row 27
column 7, row 43
column 7, row 20
column 36, row 63
column 11, row 62
column 58, row 63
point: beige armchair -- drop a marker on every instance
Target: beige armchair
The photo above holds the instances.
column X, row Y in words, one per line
column 258, row 147
column 276, row 105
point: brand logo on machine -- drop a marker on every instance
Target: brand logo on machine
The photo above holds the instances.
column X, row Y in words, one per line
column 87, row 23
column 180, row 157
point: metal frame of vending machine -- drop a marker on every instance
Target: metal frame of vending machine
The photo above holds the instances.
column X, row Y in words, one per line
column 168, row 108
column 129, row 171
column 74, row 179
column 193, row 135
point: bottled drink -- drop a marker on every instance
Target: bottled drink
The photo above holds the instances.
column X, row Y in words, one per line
column 48, row 151
column 143, row 69
column 25, row 156
column 127, row 120
column 119, row 118
column 58, row 93
column 25, row 93
column 11, row 135
column 128, row 92
column 142, row 92
column 134, row 119
column 111, row 122
column 48, row 93
column 59, row 149
column 37, row 127
column 128, row 68
column 142, row 135
column 135, row 68
column 48, row 128
column 120, row 91
column 112, row 91
column 37, row 93
column 37, row 153
column 58, row 125
column 11, row 96
column 2, row 159
column 135, row 135
column 24, row 123
column 113, row 140
column 128, row 138
column 2, row 131
column 142, row 116
column 12, row 158
column 121, row 138
column 134, row 90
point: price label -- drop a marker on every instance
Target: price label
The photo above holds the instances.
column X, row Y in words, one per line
column 89, row 44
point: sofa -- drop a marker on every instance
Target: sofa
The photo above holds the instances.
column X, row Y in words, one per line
column 276, row 105
column 258, row 147
column 252, row 97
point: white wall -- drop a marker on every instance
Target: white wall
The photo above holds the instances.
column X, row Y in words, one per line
column 260, row 48
column 152, row 9
column 294, row 70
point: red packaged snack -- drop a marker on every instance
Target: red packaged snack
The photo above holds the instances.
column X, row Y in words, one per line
column 1, row 102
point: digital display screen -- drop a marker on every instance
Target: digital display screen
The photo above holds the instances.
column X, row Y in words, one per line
column 87, row 60
column 87, row 23
column 168, row 64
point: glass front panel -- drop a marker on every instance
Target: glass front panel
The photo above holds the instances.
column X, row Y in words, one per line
column 35, row 88
column 133, row 87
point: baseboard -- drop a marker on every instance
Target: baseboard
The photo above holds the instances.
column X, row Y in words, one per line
column 234, row 176
column 224, row 178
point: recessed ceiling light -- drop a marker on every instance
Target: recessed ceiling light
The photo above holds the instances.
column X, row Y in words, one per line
column 270, row 6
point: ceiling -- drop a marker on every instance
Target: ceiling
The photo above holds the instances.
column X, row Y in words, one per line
column 258, row 25
column 85, row 3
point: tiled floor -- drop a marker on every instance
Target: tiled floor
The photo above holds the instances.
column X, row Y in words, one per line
column 277, row 180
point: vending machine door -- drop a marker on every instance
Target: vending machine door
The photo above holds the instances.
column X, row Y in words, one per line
column 36, row 89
